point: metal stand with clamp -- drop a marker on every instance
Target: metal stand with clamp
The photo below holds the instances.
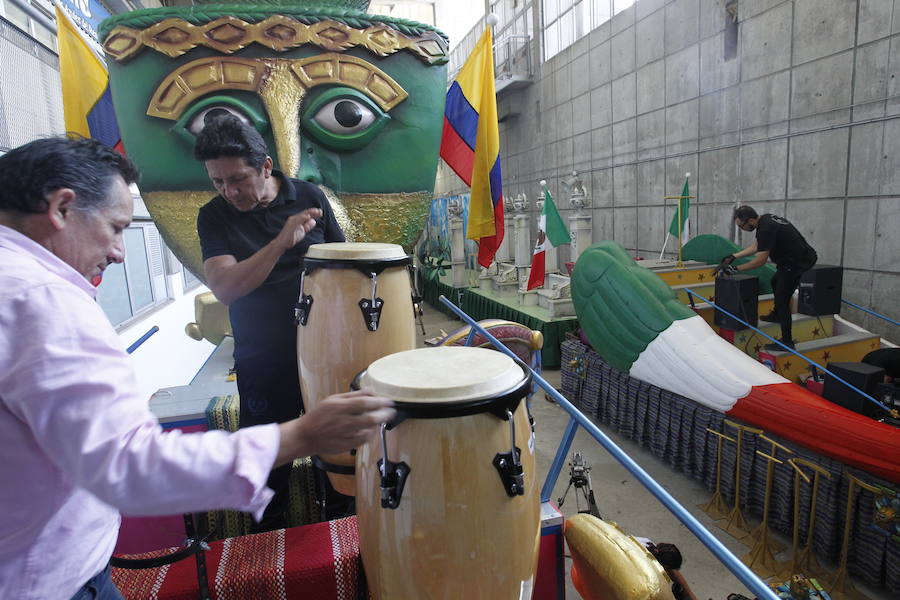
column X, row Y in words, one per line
column 580, row 477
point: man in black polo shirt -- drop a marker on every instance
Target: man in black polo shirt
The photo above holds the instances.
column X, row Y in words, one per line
column 889, row 360
column 253, row 236
column 779, row 240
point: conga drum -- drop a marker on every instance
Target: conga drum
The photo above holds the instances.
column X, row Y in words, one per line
column 355, row 306
column 447, row 500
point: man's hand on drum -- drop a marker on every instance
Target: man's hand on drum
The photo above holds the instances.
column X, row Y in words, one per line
column 337, row 424
column 297, row 226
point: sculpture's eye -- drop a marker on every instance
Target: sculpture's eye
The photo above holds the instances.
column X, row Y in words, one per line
column 344, row 116
column 198, row 115
column 343, row 119
column 203, row 117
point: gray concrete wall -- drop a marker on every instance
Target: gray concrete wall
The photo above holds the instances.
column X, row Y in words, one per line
column 794, row 110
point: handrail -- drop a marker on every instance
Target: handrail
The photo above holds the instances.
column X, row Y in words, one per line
column 142, row 339
column 731, row 562
column 871, row 312
column 792, row 351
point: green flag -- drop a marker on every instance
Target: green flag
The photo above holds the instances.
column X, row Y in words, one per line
column 685, row 203
column 556, row 230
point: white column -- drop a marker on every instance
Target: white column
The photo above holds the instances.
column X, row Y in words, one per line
column 524, row 248
column 580, row 225
column 457, row 253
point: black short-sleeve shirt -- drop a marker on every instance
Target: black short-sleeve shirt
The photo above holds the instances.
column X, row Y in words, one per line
column 786, row 246
column 886, row 358
column 263, row 320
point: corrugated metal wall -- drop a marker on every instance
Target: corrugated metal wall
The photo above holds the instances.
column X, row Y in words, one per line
column 30, row 93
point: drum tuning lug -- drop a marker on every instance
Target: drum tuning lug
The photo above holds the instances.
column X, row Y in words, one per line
column 371, row 312
column 301, row 310
column 512, row 475
column 393, row 478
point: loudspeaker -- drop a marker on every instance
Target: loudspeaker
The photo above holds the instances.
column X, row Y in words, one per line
column 739, row 295
column 820, row 291
column 863, row 376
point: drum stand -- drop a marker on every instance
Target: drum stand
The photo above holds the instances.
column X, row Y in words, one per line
column 717, row 507
column 803, row 561
column 840, row 586
column 761, row 557
column 417, row 314
column 736, row 524
column 417, row 297
column 580, row 477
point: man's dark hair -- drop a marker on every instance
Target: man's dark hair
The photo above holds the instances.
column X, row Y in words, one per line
column 226, row 136
column 668, row 555
column 30, row 173
column 742, row 213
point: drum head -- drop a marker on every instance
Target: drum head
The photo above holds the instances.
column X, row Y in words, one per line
column 443, row 375
column 355, row 251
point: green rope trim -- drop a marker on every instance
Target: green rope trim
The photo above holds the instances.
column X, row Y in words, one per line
column 254, row 13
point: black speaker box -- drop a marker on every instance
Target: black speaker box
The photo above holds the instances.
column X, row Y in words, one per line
column 820, row 291
column 739, row 295
column 863, row 376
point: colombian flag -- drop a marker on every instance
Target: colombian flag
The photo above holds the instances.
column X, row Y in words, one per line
column 87, row 103
column 470, row 144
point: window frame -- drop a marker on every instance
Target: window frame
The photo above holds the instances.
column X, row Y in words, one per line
column 160, row 287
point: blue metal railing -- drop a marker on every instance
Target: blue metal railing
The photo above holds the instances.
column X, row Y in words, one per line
column 731, row 562
column 871, row 312
column 142, row 339
column 791, row 350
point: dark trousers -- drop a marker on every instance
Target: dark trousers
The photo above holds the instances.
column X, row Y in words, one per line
column 269, row 389
column 784, row 284
column 99, row 587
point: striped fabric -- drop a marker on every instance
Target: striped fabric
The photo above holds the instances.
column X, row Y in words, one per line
column 87, row 102
column 470, row 145
column 315, row 562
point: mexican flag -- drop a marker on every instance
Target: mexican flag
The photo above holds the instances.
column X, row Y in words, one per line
column 550, row 227
column 685, row 203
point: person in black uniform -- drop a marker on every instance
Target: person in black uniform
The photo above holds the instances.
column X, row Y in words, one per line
column 889, row 360
column 253, row 236
column 776, row 239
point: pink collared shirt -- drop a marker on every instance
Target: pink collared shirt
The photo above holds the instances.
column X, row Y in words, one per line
column 79, row 444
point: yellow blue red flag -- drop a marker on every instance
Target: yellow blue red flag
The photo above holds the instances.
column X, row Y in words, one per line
column 87, row 102
column 470, row 145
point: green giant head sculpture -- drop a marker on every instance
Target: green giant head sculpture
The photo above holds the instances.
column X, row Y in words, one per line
column 347, row 100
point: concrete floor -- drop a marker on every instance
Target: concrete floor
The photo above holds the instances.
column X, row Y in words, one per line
column 621, row 498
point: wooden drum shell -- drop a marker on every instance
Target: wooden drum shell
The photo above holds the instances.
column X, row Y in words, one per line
column 456, row 533
column 335, row 344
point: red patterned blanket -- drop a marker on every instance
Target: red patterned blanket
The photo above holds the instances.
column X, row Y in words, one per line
column 319, row 561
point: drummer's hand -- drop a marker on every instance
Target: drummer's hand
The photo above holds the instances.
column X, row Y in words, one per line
column 337, row 424
column 296, row 227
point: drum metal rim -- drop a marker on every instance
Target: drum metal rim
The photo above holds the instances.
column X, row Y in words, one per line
column 365, row 266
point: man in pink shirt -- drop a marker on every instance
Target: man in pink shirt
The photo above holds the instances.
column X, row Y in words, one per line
column 79, row 443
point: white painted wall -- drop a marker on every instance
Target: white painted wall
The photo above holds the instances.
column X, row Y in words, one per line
column 169, row 357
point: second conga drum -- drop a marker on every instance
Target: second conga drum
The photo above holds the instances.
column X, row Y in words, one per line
column 355, row 306
column 447, row 498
